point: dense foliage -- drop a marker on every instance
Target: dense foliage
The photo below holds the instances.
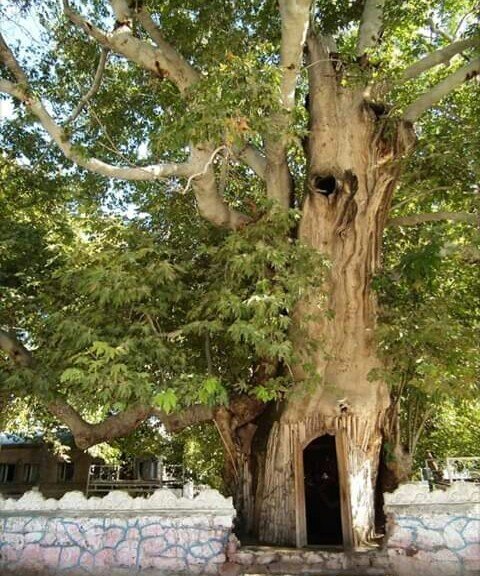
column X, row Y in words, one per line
column 125, row 295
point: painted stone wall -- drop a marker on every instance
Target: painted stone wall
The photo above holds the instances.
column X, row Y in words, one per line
column 434, row 533
column 116, row 534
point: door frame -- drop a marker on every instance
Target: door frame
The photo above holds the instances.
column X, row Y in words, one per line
column 344, row 487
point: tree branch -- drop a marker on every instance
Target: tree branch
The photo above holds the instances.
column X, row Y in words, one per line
column 86, row 434
column 7, row 57
column 211, row 204
column 93, row 31
column 175, row 61
column 295, row 15
column 59, row 136
column 416, row 219
column 242, row 408
column 440, row 90
column 441, row 56
column 112, row 427
column 253, row 158
column 17, row 352
column 370, row 26
column 183, row 74
column 85, row 99
column 196, row 414
column 162, row 61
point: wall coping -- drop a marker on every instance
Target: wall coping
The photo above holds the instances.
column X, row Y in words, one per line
column 418, row 494
column 162, row 500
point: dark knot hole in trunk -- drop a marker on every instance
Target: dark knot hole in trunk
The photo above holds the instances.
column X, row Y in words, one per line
column 325, row 185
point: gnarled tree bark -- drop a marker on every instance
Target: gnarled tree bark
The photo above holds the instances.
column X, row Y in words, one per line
column 352, row 170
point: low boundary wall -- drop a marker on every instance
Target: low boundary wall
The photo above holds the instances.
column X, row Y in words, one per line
column 114, row 535
column 434, row 533
column 429, row 533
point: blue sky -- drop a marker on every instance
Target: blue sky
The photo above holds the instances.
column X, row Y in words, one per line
column 18, row 30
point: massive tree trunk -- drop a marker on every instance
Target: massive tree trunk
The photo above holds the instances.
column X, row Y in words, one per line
column 352, row 169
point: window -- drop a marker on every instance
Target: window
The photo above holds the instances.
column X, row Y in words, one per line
column 7, row 473
column 30, row 473
column 65, row 471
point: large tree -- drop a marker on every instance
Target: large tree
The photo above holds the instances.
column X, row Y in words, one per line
column 290, row 124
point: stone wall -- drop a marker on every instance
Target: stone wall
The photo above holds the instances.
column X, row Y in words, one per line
column 434, row 533
column 116, row 534
column 429, row 534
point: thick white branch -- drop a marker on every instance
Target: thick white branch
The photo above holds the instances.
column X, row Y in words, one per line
column 162, row 62
column 253, row 158
column 295, row 18
column 182, row 72
column 93, row 31
column 416, row 219
column 122, row 10
column 440, row 90
column 59, row 136
column 162, row 59
column 441, row 56
column 7, row 57
column 370, row 25
column 210, row 202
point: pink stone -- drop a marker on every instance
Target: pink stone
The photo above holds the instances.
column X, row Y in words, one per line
column 132, row 534
column 69, row 556
column 31, row 537
column 471, row 532
column 172, row 536
column 401, row 538
column 126, row 553
column 173, row 552
column 452, row 537
column 171, row 564
column 218, row 547
column 49, row 538
column 9, row 553
column 113, row 536
column 75, row 535
column 152, row 530
column 443, row 556
column 51, row 556
column 199, row 554
column 86, row 560
column 471, row 552
column 104, row 558
column 429, row 539
column 94, row 538
column 153, row 547
column 15, row 540
column 32, row 554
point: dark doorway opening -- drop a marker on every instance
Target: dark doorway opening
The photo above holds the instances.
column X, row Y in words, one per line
column 322, row 493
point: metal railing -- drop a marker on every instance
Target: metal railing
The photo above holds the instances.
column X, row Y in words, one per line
column 463, row 468
column 102, row 478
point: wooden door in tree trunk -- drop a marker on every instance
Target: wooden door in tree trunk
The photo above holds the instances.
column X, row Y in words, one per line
column 322, row 521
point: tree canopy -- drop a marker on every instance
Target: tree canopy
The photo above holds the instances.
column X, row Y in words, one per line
column 151, row 187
